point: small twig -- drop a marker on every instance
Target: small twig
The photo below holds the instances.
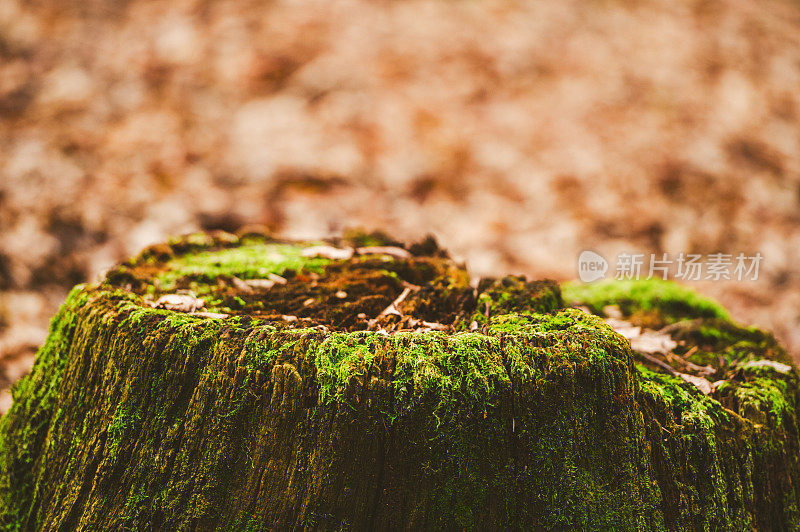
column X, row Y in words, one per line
column 434, row 325
column 679, row 326
column 392, row 251
column 328, row 252
column 392, row 308
column 657, row 362
column 690, row 352
column 703, row 370
column 210, row 315
column 662, row 427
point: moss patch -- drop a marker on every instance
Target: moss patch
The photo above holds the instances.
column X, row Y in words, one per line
column 669, row 301
column 251, row 260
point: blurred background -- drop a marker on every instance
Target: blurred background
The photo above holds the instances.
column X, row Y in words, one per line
column 518, row 133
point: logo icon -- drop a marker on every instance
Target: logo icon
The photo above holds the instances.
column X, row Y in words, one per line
column 591, row 266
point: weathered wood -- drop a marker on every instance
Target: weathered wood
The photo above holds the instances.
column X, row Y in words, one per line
column 281, row 394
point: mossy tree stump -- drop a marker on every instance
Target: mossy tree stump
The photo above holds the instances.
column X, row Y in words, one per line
column 246, row 383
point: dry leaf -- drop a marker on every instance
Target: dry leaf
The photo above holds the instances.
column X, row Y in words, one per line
column 624, row 328
column 653, row 342
column 699, row 382
column 179, row 303
column 647, row 341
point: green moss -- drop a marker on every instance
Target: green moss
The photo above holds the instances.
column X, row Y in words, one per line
column 450, row 397
column 193, row 241
column 122, row 426
column 563, row 325
column 460, row 369
column 713, row 339
column 714, row 466
column 342, row 357
column 360, row 238
column 135, row 505
column 572, row 376
column 260, row 349
column 764, row 400
column 450, row 365
column 37, row 399
column 697, row 454
column 670, row 300
column 694, row 409
column 251, row 260
column 515, row 294
column 141, row 418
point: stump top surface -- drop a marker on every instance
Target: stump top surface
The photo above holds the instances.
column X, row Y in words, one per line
column 364, row 282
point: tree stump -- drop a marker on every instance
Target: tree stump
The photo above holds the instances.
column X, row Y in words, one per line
column 250, row 383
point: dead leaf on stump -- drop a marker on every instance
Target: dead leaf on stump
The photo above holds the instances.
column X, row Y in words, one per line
column 699, row 382
column 179, row 303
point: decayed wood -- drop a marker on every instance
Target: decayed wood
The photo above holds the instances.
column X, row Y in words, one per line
column 206, row 409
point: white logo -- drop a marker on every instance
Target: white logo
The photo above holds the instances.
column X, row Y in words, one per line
column 591, row 266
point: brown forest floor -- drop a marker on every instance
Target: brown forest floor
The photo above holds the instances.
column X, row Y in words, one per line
column 520, row 133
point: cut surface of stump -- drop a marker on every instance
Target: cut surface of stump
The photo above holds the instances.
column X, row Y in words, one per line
column 250, row 383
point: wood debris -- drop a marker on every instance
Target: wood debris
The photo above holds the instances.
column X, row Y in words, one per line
column 646, row 343
column 435, row 326
column 393, row 251
column 657, row 361
column 262, row 284
column 277, row 279
column 328, row 252
column 653, row 342
column 422, row 325
column 764, row 363
column 241, row 285
column 210, row 315
column 702, row 370
column 392, row 308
